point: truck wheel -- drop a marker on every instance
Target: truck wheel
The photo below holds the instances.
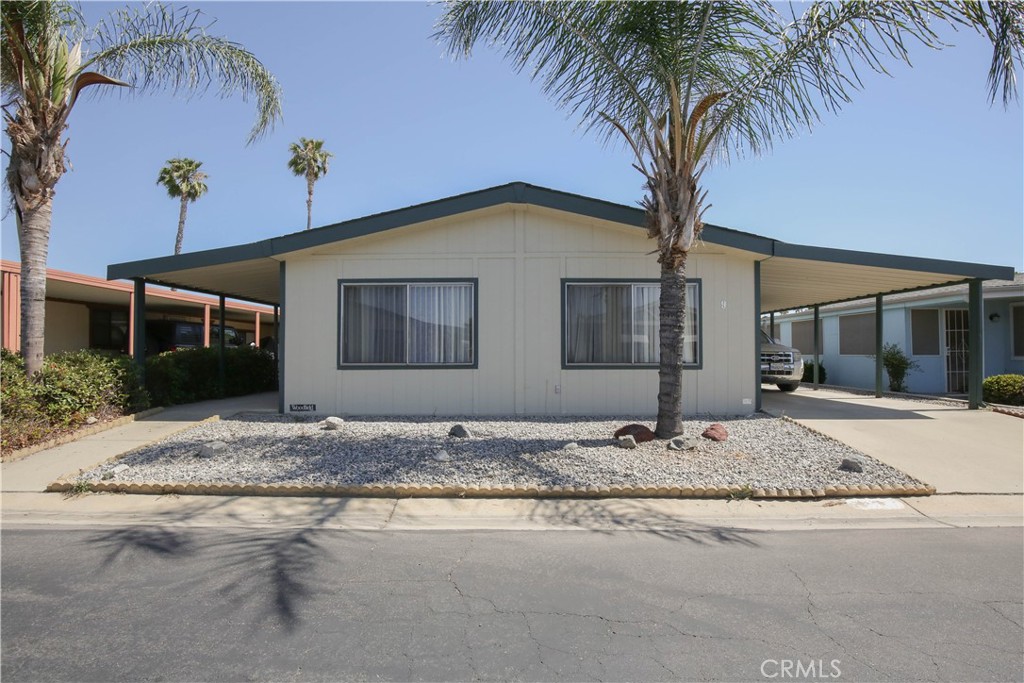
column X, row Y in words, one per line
column 788, row 387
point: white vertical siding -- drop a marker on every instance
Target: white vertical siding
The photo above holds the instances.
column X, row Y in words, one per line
column 519, row 257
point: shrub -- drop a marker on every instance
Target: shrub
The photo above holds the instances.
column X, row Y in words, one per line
column 809, row 372
column 68, row 389
column 1005, row 389
column 897, row 365
column 191, row 375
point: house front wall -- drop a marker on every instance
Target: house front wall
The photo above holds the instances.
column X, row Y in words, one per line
column 518, row 258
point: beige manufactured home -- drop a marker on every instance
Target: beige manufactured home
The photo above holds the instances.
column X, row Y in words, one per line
column 519, row 300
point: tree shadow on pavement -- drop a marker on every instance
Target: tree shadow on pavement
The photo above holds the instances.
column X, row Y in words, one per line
column 609, row 515
column 269, row 569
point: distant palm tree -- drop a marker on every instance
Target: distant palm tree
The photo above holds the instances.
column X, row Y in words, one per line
column 49, row 56
column 309, row 160
column 182, row 178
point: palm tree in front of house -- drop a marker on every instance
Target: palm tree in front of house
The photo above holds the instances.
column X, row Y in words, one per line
column 309, row 160
column 183, row 180
column 688, row 83
column 49, row 56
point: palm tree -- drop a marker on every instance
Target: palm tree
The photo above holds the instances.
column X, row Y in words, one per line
column 688, row 83
column 182, row 178
column 309, row 160
column 49, row 56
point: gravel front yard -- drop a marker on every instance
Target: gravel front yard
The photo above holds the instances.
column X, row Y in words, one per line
column 761, row 452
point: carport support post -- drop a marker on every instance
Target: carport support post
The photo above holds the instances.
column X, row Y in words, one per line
column 139, row 326
column 817, row 349
column 757, row 336
column 878, row 346
column 975, row 344
column 220, row 346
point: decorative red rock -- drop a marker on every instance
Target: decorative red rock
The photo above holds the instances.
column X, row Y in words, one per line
column 638, row 432
column 716, row 432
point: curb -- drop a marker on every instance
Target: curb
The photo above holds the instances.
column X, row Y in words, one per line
column 79, row 434
column 437, row 491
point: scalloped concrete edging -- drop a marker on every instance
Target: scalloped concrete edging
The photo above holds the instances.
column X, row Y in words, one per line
column 438, row 491
column 80, row 434
column 1019, row 412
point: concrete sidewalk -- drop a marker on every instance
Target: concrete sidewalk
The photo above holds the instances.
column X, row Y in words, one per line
column 34, row 473
column 954, row 449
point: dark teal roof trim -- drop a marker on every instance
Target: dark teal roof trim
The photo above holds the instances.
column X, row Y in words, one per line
column 913, row 263
column 524, row 193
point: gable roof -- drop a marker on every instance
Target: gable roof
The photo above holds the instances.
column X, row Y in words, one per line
column 250, row 271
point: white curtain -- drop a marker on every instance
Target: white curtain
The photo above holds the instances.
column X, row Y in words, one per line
column 441, row 324
column 373, row 318
column 646, row 322
column 599, row 324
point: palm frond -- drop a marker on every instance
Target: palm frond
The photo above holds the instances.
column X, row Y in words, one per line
column 162, row 48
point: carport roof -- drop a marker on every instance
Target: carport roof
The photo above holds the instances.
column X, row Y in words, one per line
column 792, row 275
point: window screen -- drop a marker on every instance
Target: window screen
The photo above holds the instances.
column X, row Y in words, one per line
column 924, row 332
column 857, row 334
column 1017, row 313
column 803, row 337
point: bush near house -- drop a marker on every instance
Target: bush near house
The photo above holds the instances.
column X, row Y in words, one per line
column 191, row 375
column 1004, row 389
column 897, row 365
column 70, row 388
column 809, row 373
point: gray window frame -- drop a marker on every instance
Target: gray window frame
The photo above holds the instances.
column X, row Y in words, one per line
column 939, row 322
column 568, row 282
column 871, row 352
column 474, row 282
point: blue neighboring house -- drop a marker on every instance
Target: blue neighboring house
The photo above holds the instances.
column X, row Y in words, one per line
column 931, row 326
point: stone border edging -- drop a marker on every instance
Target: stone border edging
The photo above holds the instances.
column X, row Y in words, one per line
column 80, row 434
column 438, row 491
column 1019, row 412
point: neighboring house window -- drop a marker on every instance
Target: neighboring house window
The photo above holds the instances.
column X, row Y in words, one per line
column 108, row 329
column 616, row 324
column 803, row 337
column 857, row 334
column 1017, row 315
column 924, row 332
column 408, row 324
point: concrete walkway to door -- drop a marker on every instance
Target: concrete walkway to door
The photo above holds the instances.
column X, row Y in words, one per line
column 954, row 449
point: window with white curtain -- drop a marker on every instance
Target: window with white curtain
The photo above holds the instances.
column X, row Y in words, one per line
column 617, row 324
column 408, row 324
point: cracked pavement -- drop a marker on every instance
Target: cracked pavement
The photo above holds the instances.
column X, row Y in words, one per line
column 168, row 603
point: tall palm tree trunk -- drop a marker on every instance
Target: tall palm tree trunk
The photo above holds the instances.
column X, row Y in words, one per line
column 672, row 306
column 181, row 225
column 34, row 238
column 309, row 202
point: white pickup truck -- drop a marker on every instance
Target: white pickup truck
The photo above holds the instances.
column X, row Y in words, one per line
column 780, row 365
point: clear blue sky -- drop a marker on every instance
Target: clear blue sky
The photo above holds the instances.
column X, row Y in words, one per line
column 919, row 164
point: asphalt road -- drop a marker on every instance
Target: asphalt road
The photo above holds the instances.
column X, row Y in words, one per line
column 166, row 604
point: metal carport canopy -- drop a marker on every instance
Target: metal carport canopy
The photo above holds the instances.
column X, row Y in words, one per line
column 792, row 275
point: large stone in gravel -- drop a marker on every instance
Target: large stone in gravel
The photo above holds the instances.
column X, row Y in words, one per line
column 683, row 443
column 459, row 432
column 638, row 432
column 627, row 441
column 91, row 420
column 716, row 432
column 442, row 456
column 851, row 465
column 118, row 469
column 571, row 446
column 211, row 449
column 333, row 423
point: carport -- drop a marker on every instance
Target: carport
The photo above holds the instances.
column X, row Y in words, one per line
column 786, row 276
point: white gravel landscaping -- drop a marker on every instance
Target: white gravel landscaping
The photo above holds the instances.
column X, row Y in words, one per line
column 761, row 452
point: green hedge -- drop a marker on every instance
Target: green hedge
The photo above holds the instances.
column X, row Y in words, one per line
column 191, row 375
column 809, row 373
column 1004, row 389
column 70, row 388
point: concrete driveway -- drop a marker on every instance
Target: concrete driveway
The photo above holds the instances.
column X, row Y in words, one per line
column 954, row 449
